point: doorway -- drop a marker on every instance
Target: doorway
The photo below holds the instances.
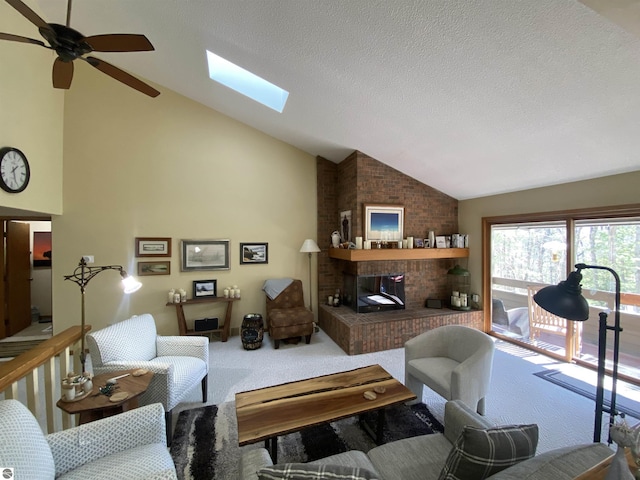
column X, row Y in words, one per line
column 26, row 280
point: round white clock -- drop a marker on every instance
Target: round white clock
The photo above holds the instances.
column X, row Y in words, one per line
column 14, row 170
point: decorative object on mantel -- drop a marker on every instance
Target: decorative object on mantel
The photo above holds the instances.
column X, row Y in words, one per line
column 384, row 223
column 82, row 275
column 310, row 246
column 335, row 239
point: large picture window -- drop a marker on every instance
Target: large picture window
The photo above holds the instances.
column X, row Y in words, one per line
column 527, row 252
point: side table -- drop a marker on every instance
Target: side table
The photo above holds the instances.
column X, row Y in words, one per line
column 182, row 322
column 96, row 406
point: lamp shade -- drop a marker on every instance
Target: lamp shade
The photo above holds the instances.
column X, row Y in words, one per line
column 309, row 246
column 565, row 299
column 131, row 284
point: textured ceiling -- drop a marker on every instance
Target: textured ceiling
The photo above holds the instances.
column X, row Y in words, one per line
column 471, row 97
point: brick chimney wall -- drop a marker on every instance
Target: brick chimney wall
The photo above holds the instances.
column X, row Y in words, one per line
column 360, row 179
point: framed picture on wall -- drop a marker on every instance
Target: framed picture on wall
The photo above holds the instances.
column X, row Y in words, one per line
column 383, row 223
column 153, row 247
column 345, row 226
column 154, row 268
column 251, row 253
column 204, row 255
column 42, row 249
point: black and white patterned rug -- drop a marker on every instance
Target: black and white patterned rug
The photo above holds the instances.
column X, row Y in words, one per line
column 205, row 440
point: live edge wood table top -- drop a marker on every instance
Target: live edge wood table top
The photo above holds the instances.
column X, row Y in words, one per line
column 265, row 413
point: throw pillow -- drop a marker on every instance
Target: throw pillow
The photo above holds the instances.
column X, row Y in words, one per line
column 307, row 471
column 479, row 453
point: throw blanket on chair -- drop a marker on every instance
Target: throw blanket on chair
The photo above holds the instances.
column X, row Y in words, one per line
column 274, row 287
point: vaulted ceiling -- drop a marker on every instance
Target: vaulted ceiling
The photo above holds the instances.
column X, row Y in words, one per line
column 471, row 97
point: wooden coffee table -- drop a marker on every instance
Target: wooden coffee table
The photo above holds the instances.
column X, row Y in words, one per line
column 96, row 406
column 266, row 413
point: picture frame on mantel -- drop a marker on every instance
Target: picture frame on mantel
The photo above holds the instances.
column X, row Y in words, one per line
column 383, row 223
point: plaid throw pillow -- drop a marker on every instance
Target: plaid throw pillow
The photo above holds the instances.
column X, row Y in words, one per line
column 306, row 471
column 479, row 453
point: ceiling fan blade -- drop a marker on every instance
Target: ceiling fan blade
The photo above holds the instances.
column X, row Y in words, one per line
column 62, row 74
column 29, row 14
column 18, row 38
column 119, row 42
column 121, row 76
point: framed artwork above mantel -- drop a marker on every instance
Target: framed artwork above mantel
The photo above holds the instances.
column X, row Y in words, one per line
column 383, row 223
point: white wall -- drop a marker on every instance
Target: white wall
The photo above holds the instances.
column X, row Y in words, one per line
column 169, row 167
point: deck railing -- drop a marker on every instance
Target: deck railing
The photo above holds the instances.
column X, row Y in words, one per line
column 34, row 377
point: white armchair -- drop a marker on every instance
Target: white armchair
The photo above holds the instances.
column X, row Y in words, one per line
column 130, row 446
column 178, row 363
column 454, row 361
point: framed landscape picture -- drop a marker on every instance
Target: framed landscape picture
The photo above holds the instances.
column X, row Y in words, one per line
column 154, row 268
column 204, row 255
column 204, row 288
column 153, row 247
column 254, row 253
column 383, row 223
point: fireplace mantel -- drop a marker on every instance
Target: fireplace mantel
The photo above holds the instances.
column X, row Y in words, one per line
column 382, row 254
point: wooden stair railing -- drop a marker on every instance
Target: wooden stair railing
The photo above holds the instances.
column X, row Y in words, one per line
column 41, row 360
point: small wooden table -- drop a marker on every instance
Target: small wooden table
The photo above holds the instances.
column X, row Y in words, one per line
column 599, row 471
column 266, row 413
column 182, row 322
column 96, row 406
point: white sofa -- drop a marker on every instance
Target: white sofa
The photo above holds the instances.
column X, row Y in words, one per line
column 130, row 446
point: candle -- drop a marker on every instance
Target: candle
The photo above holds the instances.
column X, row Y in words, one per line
column 409, row 242
column 359, row 242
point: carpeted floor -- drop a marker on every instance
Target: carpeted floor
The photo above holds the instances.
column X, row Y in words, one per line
column 624, row 403
column 205, row 441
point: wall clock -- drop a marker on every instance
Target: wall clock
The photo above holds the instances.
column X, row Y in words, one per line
column 14, row 170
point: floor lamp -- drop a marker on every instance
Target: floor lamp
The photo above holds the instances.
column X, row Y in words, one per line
column 310, row 246
column 81, row 276
column 566, row 300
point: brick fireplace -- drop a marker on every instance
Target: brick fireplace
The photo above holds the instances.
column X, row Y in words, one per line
column 358, row 180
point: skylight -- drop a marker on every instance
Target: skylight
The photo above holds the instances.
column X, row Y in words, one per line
column 246, row 83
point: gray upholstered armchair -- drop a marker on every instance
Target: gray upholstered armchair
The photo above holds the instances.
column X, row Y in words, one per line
column 454, row 361
column 178, row 363
column 130, row 445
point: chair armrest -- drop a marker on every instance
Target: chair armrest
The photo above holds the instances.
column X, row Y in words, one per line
column 86, row 443
column 472, row 375
column 187, row 346
column 252, row 461
column 457, row 415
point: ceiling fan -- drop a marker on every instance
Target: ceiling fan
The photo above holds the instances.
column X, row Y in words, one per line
column 70, row 45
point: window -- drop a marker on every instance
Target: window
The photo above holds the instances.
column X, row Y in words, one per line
column 526, row 252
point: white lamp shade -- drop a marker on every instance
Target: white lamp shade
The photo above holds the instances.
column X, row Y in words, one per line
column 131, row 284
column 309, row 246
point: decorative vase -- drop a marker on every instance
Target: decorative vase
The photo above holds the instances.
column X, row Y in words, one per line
column 335, row 239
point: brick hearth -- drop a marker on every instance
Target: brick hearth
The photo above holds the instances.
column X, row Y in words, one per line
column 358, row 333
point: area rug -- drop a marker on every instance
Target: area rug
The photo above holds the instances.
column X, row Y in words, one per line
column 624, row 392
column 205, row 440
